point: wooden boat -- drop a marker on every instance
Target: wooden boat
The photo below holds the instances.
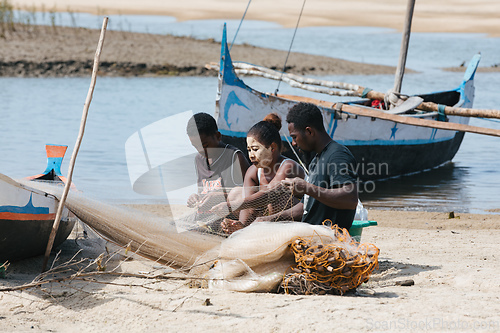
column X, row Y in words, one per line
column 384, row 148
column 27, row 214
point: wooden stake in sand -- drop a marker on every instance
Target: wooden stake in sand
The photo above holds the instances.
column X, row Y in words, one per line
column 57, row 219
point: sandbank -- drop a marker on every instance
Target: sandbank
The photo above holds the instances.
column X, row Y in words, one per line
column 429, row 15
column 41, row 51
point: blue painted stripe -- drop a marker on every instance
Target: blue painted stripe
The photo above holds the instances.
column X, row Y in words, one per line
column 229, row 76
column 28, row 209
column 357, row 142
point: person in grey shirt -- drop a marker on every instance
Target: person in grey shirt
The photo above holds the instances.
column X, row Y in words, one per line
column 329, row 192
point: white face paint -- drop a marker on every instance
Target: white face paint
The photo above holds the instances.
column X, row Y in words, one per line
column 259, row 155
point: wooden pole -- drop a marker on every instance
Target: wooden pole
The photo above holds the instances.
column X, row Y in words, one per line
column 367, row 112
column 448, row 110
column 405, row 41
column 86, row 106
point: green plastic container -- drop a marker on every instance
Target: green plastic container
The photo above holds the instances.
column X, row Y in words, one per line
column 357, row 228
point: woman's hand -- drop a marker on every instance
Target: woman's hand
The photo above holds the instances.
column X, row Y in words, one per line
column 229, row 226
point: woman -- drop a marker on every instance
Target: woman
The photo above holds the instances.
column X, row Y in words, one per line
column 262, row 191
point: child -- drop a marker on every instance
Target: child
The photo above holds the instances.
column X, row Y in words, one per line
column 219, row 166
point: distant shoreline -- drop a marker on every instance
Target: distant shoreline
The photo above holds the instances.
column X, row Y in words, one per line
column 428, row 16
column 55, row 51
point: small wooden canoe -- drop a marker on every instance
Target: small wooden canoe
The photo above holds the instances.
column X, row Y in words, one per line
column 27, row 214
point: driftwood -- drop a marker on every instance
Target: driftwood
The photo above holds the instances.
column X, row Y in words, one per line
column 91, row 269
column 88, row 270
column 86, row 106
column 298, row 81
column 86, row 278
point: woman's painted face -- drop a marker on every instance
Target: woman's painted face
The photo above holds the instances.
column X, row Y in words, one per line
column 259, row 155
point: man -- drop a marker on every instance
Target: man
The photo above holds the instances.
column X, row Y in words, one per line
column 330, row 189
column 219, row 166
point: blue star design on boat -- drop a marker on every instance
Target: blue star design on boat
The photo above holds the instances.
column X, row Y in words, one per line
column 232, row 99
column 393, row 132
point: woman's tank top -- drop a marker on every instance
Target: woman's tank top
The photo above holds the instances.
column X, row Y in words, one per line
column 259, row 170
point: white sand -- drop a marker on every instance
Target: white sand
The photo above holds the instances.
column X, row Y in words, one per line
column 429, row 16
column 453, row 263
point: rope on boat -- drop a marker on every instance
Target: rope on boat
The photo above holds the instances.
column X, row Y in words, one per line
column 290, row 48
column 239, row 26
column 302, row 164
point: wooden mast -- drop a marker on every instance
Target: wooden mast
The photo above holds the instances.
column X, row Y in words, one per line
column 405, row 41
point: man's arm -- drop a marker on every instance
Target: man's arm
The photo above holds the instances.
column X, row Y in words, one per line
column 344, row 197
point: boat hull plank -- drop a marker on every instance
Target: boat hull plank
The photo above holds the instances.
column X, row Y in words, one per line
column 28, row 238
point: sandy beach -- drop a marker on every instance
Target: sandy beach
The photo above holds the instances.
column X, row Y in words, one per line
column 452, row 263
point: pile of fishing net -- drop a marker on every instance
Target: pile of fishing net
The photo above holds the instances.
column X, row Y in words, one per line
column 298, row 257
column 334, row 267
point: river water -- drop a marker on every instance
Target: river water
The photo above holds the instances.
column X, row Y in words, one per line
column 36, row 111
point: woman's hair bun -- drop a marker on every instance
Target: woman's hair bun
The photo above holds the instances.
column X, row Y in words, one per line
column 274, row 119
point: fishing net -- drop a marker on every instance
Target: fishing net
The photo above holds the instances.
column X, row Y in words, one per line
column 332, row 267
column 224, row 206
column 253, row 259
column 150, row 235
